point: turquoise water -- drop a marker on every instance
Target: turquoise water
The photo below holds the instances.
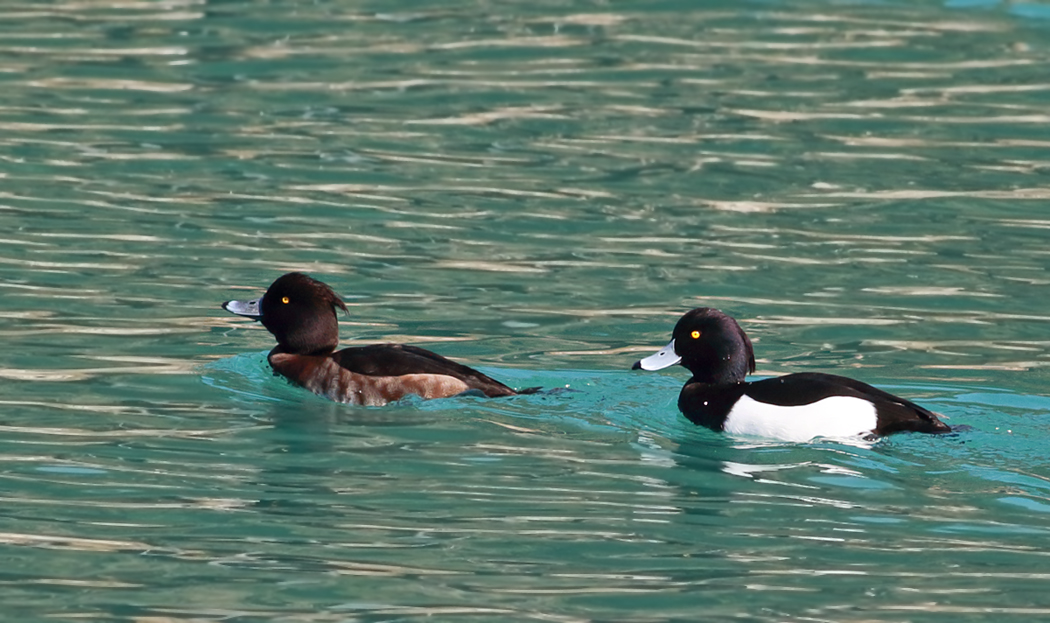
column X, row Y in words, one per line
column 539, row 190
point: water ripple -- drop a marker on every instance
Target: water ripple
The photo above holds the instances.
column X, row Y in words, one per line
column 540, row 191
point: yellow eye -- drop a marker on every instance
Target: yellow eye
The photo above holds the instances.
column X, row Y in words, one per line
column 284, row 299
column 695, row 334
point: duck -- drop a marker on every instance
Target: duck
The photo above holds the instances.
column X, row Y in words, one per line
column 794, row 407
column 300, row 312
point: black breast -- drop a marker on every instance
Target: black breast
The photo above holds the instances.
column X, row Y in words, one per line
column 708, row 404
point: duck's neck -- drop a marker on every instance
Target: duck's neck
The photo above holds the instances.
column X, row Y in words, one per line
column 284, row 349
column 309, row 338
column 728, row 371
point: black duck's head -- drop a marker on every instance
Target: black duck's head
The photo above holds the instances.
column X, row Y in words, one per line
column 710, row 344
column 299, row 311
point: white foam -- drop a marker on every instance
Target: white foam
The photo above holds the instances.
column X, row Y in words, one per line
column 835, row 416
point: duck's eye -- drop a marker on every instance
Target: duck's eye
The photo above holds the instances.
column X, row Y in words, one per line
column 695, row 334
column 285, row 300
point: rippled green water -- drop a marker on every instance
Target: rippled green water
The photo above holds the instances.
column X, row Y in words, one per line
column 538, row 189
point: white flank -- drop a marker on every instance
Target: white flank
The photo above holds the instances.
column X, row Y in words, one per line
column 835, row 416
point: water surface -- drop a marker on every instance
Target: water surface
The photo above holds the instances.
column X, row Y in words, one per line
column 537, row 189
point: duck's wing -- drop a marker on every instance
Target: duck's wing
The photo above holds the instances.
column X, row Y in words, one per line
column 895, row 414
column 401, row 359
